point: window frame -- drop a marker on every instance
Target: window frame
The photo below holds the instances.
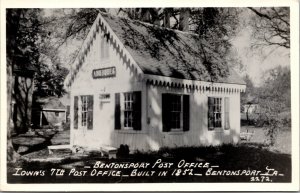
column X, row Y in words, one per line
column 223, row 112
column 219, row 106
column 176, row 129
column 84, row 110
column 123, row 110
column 135, row 104
column 170, row 109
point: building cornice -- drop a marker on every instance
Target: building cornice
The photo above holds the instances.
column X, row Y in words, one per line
column 193, row 84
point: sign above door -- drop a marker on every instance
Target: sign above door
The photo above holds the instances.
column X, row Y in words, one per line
column 104, row 72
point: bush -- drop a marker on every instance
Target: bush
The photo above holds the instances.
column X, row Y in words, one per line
column 123, row 151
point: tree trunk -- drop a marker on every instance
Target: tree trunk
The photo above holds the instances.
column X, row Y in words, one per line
column 12, row 155
column 154, row 16
column 184, row 19
column 145, row 15
column 167, row 15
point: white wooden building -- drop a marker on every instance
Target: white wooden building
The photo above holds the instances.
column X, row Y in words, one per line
column 148, row 87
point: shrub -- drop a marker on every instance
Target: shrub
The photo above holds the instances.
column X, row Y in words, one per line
column 123, row 151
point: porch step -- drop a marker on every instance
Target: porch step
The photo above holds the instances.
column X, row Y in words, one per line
column 110, row 151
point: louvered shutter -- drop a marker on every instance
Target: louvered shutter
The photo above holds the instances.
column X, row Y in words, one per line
column 76, row 112
column 186, row 112
column 117, row 111
column 210, row 121
column 166, row 112
column 227, row 122
column 137, row 107
column 90, row 112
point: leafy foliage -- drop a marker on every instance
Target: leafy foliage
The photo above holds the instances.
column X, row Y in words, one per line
column 49, row 80
column 22, row 35
column 275, row 101
column 28, row 46
column 214, row 25
column 248, row 96
column 248, row 99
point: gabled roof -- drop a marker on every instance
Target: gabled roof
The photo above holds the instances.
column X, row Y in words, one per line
column 158, row 51
column 170, row 53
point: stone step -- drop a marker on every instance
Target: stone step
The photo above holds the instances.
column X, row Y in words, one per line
column 110, row 151
column 58, row 147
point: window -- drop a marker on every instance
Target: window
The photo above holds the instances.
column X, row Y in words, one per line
column 84, row 110
column 104, row 48
column 175, row 112
column 128, row 110
column 215, row 112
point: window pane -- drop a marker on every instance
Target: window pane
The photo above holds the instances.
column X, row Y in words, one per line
column 84, row 108
column 128, row 109
column 216, row 114
column 175, row 111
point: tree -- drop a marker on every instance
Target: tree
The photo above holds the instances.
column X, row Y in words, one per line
column 248, row 97
column 26, row 36
column 275, row 101
column 22, row 28
column 215, row 28
column 49, row 80
column 271, row 26
column 12, row 20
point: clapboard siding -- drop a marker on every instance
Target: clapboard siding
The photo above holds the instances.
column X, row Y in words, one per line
column 198, row 133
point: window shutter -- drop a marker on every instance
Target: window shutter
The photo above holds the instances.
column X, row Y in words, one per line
column 90, row 112
column 186, row 112
column 210, row 113
column 227, row 122
column 166, row 112
column 117, row 112
column 76, row 112
column 137, row 109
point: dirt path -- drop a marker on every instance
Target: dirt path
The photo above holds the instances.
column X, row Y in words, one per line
column 61, row 138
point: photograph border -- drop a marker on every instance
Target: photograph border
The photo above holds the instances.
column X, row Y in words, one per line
column 294, row 64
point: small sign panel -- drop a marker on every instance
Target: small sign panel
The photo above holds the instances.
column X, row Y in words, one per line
column 104, row 96
column 104, row 72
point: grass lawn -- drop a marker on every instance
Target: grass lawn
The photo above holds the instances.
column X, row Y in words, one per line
column 244, row 162
column 61, row 138
column 283, row 141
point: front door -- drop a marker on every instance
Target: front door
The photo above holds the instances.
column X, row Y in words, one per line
column 85, row 119
column 105, row 118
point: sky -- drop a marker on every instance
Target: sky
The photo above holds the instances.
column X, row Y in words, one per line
column 254, row 62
